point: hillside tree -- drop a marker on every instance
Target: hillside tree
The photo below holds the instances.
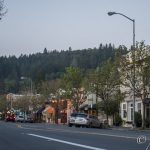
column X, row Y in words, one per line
column 3, row 11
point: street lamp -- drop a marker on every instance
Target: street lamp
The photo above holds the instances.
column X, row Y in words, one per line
column 31, row 86
column 133, row 21
column 10, row 98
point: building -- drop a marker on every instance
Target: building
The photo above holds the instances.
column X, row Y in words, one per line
column 126, row 107
column 89, row 107
column 136, row 78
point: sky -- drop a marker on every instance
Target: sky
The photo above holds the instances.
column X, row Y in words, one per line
column 32, row 25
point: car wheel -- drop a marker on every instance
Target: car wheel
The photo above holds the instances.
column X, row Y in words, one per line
column 101, row 126
column 70, row 125
column 90, row 125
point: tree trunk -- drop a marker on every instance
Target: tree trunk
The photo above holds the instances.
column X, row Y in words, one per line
column 113, row 118
column 107, row 112
column 97, row 101
column 77, row 105
column 107, row 117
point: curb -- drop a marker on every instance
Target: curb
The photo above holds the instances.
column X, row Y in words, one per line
column 129, row 129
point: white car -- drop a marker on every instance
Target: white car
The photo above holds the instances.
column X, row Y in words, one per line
column 20, row 118
column 84, row 120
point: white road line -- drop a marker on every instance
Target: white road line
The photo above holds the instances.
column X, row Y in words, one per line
column 148, row 146
column 66, row 142
column 89, row 133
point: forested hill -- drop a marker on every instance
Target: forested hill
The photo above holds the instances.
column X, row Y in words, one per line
column 50, row 65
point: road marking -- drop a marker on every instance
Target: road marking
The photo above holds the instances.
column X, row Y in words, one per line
column 83, row 132
column 66, row 142
column 148, row 146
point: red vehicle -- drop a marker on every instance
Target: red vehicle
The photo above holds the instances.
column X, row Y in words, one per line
column 10, row 117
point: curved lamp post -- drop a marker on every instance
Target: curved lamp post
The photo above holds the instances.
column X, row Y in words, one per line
column 31, row 84
column 133, row 21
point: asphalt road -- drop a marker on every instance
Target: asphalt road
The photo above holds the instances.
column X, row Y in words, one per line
column 20, row 136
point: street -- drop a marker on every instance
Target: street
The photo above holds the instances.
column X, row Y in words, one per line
column 28, row 136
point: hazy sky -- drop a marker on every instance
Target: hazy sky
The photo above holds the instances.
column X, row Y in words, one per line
column 31, row 25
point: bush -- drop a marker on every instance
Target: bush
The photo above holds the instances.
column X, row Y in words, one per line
column 138, row 119
column 147, row 123
column 118, row 120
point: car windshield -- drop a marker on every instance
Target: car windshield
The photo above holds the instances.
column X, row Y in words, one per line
column 81, row 115
column 20, row 116
column 73, row 115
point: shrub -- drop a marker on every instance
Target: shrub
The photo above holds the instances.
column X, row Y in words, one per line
column 147, row 123
column 138, row 119
column 118, row 120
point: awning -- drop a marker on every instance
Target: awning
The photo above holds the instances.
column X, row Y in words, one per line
column 40, row 110
column 147, row 101
column 50, row 110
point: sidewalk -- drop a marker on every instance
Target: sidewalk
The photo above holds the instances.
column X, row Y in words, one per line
column 129, row 129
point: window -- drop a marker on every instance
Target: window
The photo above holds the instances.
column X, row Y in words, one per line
column 139, row 107
column 131, row 111
column 81, row 115
column 148, row 111
column 124, row 106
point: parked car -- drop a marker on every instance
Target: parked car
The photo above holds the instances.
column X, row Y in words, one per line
column 10, row 117
column 84, row 120
column 20, row 118
column 30, row 119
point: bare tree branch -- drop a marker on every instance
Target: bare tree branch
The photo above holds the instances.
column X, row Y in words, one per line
column 3, row 10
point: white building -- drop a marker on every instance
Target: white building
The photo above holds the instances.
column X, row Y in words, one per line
column 126, row 107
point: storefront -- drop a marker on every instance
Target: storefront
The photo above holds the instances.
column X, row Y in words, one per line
column 49, row 114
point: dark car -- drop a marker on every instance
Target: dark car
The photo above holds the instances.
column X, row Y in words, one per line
column 30, row 119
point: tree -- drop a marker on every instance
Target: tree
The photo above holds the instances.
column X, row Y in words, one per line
column 22, row 103
column 45, row 66
column 9, row 85
column 73, row 85
column 3, row 103
column 36, row 102
column 106, row 83
column 135, row 69
column 2, row 9
column 49, row 87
